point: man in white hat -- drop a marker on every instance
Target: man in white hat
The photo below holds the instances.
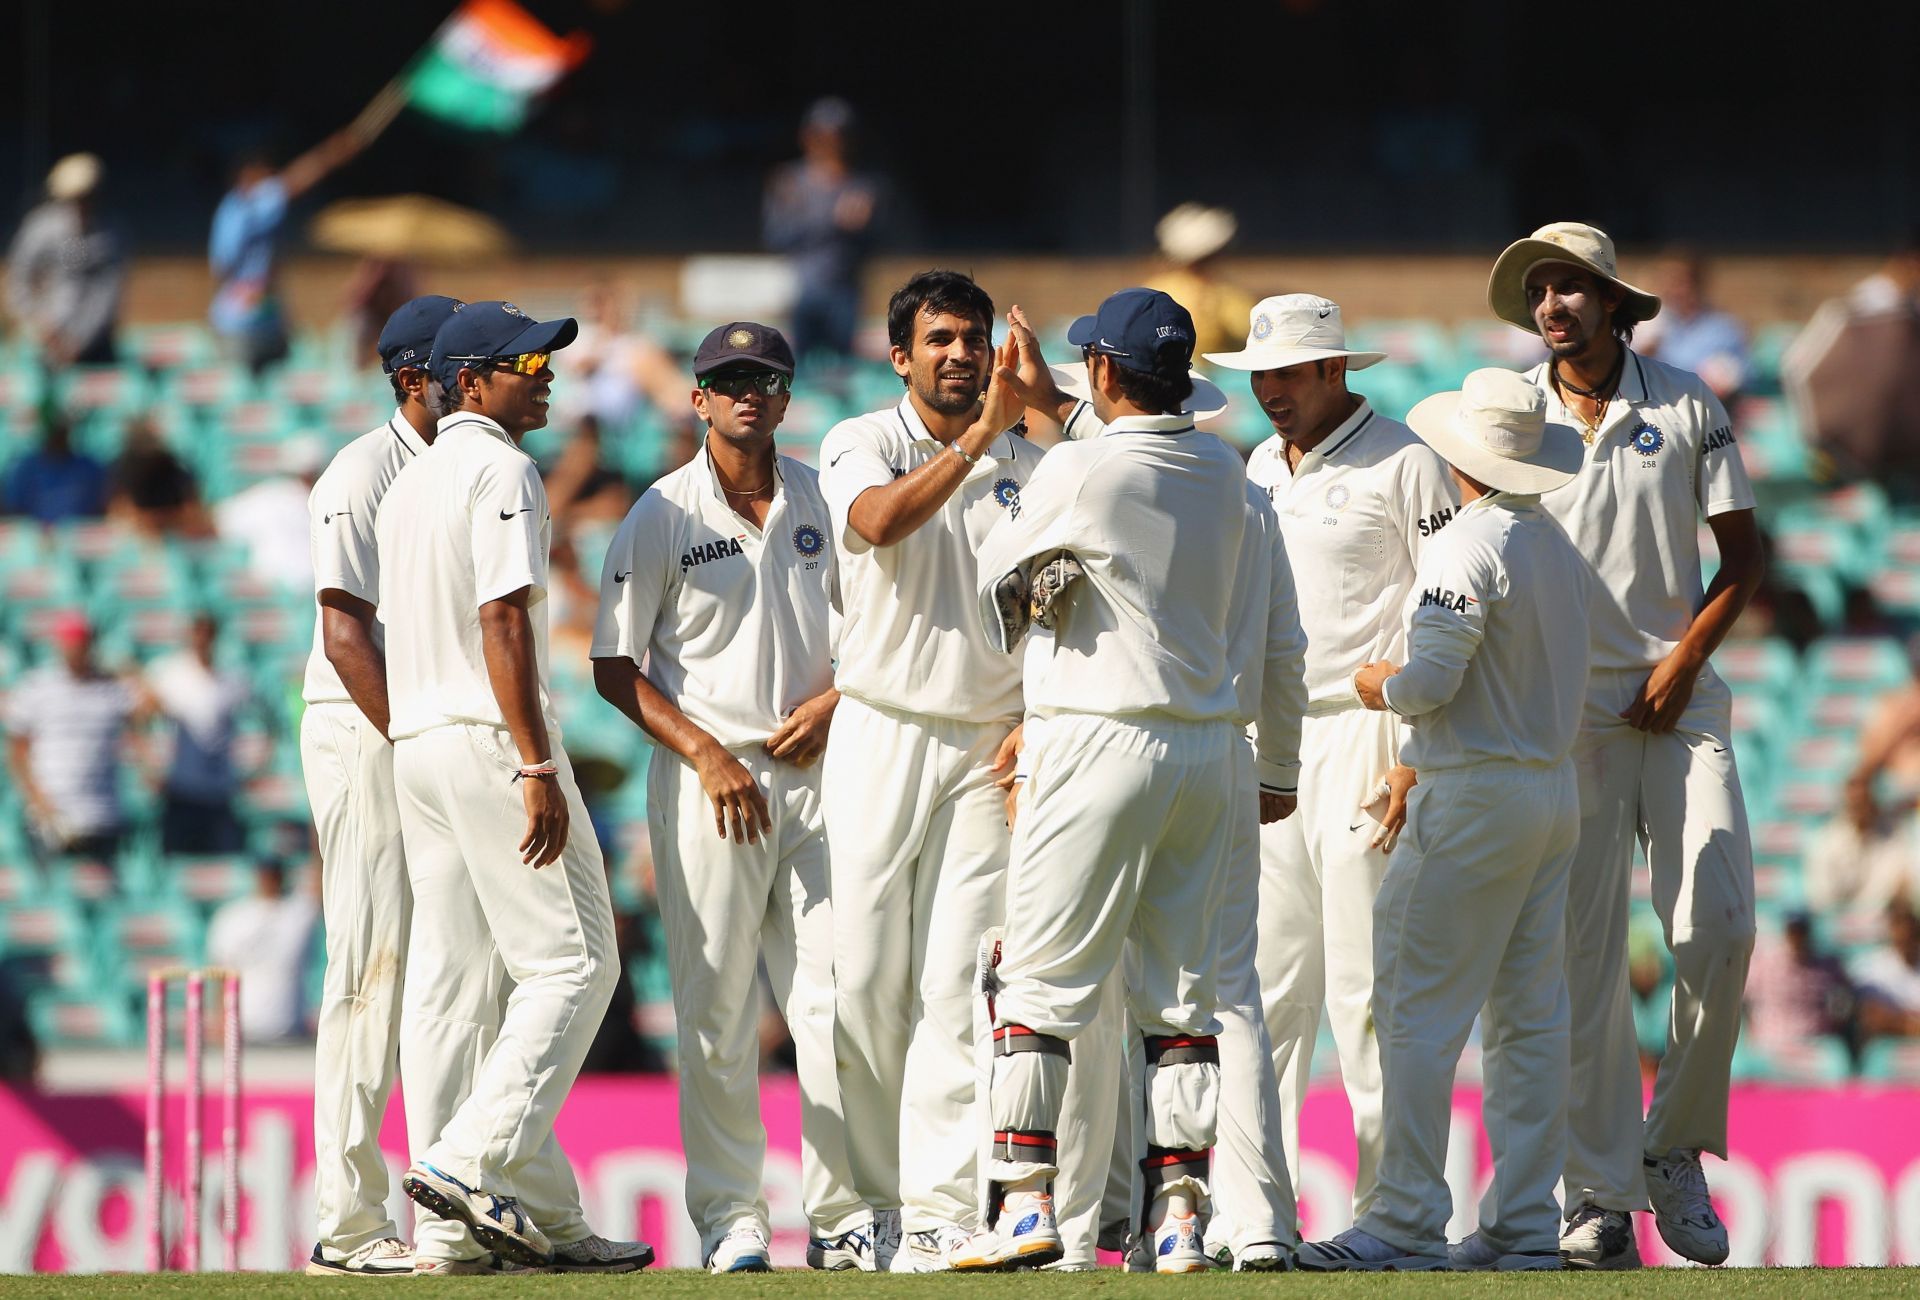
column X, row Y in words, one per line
column 65, row 270
column 1359, row 498
column 1191, row 238
column 1655, row 752
column 1472, row 911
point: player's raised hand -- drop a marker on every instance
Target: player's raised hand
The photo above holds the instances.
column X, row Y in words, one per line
column 802, row 736
column 1032, row 380
column 1002, row 406
column 735, row 796
column 547, row 819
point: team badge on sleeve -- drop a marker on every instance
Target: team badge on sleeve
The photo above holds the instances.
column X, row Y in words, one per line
column 1007, row 492
column 1648, row 440
column 809, row 541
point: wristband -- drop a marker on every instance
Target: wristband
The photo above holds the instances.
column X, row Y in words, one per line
column 956, row 449
column 547, row 768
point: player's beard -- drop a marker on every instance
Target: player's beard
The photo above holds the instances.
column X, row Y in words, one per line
column 948, row 400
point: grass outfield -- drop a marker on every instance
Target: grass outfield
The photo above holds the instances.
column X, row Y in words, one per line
column 1650, row 1284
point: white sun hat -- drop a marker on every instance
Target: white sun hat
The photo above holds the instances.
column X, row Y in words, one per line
column 1194, row 231
column 1206, row 402
column 73, row 177
column 1587, row 247
column 1495, row 431
column 1290, row 330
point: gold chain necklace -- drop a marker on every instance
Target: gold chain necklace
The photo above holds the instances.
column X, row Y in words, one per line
column 1610, row 386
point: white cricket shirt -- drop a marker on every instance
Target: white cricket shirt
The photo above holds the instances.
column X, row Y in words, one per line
column 464, row 523
column 341, row 511
column 731, row 622
column 1266, row 648
column 1497, row 641
column 910, row 639
column 1155, row 512
column 1663, row 457
column 1357, row 514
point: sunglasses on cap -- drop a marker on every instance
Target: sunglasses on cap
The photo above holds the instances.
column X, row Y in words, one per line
column 738, row 383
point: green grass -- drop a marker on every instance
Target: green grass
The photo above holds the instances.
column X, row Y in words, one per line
column 1652, row 1284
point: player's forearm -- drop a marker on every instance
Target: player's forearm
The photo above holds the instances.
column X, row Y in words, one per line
column 348, row 645
column 506, row 641
column 884, row 515
column 1437, row 658
column 622, row 684
column 1726, row 599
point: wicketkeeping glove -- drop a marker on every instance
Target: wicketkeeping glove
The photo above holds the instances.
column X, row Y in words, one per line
column 1050, row 587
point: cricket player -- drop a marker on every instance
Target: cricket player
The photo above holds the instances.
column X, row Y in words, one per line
column 488, row 804
column 916, row 826
column 1359, row 498
column 1126, row 820
column 1472, row 912
column 1655, row 753
column 348, row 764
column 720, row 582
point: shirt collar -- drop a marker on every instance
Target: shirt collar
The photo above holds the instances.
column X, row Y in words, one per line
column 713, row 477
column 1345, row 432
column 476, row 422
column 402, row 429
column 1178, row 422
column 1503, row 501
column 916, row 430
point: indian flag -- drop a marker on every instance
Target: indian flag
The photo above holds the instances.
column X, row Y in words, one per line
column 488, row 62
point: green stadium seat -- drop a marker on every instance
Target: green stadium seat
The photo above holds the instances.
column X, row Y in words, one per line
column 54, row 927
column 136, row 937
column 83, row 881
column 1765, row 665
column 207, row 882
column 169, row 347
column 1781, row 841
column 1822, row 1060
column 77, row 1019
column 1891, row 1060
column 1769, row 344
column 1867, row 665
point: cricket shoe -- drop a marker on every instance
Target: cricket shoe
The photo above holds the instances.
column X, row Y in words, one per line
column 1683, row 1207
column 1178, row 1246
column 1599, row 1239
column 886, row 1240
column 1139, row 1254
column 595, row 1254
column 1358, row 1251
column 387, row 1257
column 852, row 1249
column 926, row 1251
column 480, row 1266
column 1475, row 1254
column 497, row 1222
column 742, row 1250
column 1025, row 1236
column 1264, row 1257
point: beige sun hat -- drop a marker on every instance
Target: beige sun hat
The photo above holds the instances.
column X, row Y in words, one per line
column 1291, row 329
column 1495, row 430
column 1207, row 400
column 1193, row 231
column 73, row 177
column 1588, row 247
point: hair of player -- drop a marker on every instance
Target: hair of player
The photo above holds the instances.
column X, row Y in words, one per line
column 451, row 398
column 1165, row 391
column 935, row 293
column 399, row 392
column 1622, row 320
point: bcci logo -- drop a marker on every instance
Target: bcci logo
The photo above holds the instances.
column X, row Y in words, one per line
column 512, row 310
column 1262, row 327
column 1648, row 440
column 1338, row 495
column 1006, row 492
column 740, row 339
column 809, row 541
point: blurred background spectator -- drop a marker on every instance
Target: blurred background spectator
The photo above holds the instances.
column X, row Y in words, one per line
column 69, row 725
column 53, row 483
column 615, row 373
column 1888, row 977
column 1191, row 238
column 1690, row 331
column 1797, row 993
column 151, row 489
column 268, row 521
column 268, row 936
column 820, row 212
column 581, row 488
column 202, row 703
column 66, row 268
column 1650, row 982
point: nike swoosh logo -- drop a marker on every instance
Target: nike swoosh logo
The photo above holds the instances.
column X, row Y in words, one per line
column 508, row 514
column 327, row 519
column 1356, row 826
column 622, row 577
column 1719, row 749
column 836, row 460
column 1328, row 312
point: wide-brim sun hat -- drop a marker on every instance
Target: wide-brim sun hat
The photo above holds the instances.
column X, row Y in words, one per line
column 1207, row 400
column 74, row 177
column 1587, row 247
column 1495, row 431
column 1193, row 231
column 1292, row 329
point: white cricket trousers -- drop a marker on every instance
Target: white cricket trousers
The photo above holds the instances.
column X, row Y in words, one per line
column 1124, row 831
column 1319, row 875
column 917, row 851
column 1472, row 914
column 1678, row 796
column 1252, row 1181
column 722, row 905
column 364, row 905
column 463, row 816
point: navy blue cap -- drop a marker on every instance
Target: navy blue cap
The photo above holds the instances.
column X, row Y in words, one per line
column 1142, row 329
column 743, row 343
column 486, row 331
column 407, row 337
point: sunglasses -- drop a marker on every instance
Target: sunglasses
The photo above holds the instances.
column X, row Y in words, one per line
column 770, row 383
column 527, row 363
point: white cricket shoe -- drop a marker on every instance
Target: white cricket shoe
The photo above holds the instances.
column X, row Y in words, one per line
column 886, row 1240
column 1178, row 1246
column 1599, row 1239
column 926, row 1251
column 1475, row 1254
column 850, row 1250
column 1025, row 1236
column 387, row 1257
column 497, row 1222
column 1358, row 1251
column 1264, row 1257
column 596, row 1254
column 482, row 1266
column 743, row 1250
column 1683, row 1207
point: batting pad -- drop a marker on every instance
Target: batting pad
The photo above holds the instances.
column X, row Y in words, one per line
column 1183, row 1093
column 1029, row 1091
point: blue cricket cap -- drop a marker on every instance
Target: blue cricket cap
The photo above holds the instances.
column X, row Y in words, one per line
column 487, row 331
column 407, row 337
column 1142, row 329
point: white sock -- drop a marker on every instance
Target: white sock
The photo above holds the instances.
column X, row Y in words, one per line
column 1174, row 1203
column 1035, row 1185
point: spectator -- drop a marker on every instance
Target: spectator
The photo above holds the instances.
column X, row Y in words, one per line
column 1693, row 334
column 151, row 490
column 268, row 938
column 202, row 703
column 54, row 483
column 1866, row 855
column 821, row 213
column 1191, row 239
column 269, row 519
column 68, row 724
column 65, row 270
column 1796, row 993
column 1888, row 977
column 620, row 372
column 1650, row 981
column 580, row 487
